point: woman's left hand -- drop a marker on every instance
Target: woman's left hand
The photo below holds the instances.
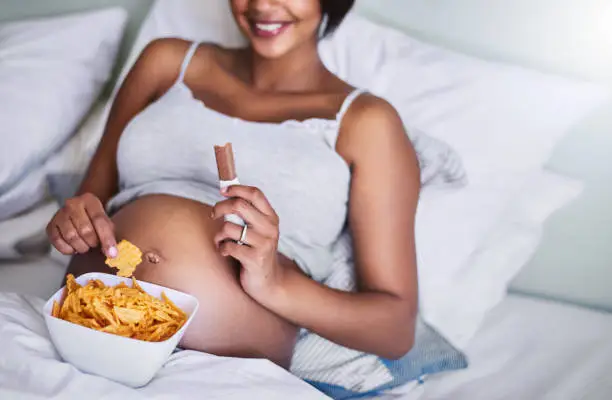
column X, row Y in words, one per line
column 261, row 271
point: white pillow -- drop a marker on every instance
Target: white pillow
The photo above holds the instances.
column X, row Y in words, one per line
column 499, row 117
column 451, row 224
column 456, row 301
column 74, row 155
column 52, row 71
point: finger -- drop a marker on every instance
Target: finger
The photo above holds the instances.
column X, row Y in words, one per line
column 253, row 195
column 241, row 253
column 104, row 227
column 70, row 235
column 233, row 232
column 58, row 242
column 244, row 209
column 83, row 225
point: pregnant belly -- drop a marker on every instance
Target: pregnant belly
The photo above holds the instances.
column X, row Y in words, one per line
column 176, row 236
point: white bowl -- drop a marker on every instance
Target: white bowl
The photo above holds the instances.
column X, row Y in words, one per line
column 128, row 361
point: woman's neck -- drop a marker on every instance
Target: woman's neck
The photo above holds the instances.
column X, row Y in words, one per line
column 298, row 70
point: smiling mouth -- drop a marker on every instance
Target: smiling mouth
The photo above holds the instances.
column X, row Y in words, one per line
column 269, row 29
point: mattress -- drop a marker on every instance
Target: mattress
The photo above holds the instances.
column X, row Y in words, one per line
column 530, row 349
column 527, row 349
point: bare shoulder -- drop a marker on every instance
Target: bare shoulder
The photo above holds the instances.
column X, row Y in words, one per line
column 370, row 122
column 164, row 54
column 161, row 59
column 170, row 50
column 371, row 109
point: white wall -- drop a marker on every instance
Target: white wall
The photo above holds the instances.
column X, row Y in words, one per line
column 572, row 37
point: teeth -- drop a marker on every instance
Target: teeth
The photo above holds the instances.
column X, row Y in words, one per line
column 269, row 27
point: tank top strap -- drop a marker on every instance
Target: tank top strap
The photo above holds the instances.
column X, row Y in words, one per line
column 348, row 101
column 188, row 56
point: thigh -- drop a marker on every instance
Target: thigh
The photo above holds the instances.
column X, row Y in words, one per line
column 228, row 323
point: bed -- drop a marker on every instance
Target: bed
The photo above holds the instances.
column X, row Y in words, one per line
column 544, row 335
column 530, row 348
column 526, row 349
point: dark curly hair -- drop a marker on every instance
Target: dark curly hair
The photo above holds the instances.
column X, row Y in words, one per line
column 334, row 11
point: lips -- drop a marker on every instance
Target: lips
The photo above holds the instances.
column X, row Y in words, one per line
column 269, row 29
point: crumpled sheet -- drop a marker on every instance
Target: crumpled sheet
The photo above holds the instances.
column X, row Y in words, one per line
column 30, row 368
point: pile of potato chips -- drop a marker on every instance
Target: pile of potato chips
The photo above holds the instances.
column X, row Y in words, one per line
column 120, row 310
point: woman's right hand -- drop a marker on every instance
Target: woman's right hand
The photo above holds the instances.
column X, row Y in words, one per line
column 82, row 224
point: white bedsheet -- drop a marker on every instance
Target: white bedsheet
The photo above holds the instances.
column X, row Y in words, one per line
column 30, row 368
column 527, row 349
column 530, row 349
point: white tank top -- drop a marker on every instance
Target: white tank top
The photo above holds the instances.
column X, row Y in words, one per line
column 168, row 149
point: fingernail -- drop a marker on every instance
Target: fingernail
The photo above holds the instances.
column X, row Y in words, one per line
column 112, row 252
column 212, row 215
column 223, row 190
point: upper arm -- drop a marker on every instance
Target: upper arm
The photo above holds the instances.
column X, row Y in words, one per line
column 383, row 197
column 152, row 74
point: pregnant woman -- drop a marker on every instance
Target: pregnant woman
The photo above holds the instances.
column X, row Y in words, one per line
column 314, row 154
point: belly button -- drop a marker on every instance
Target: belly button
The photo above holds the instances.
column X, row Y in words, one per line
column 152, row 257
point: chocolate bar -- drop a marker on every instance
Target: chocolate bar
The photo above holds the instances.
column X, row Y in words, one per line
column 225, row 162
column 227, row 175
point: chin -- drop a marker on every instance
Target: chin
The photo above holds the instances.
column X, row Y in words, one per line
column 270, row 51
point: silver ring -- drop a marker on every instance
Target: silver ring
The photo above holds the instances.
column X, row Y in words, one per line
column 242, row 240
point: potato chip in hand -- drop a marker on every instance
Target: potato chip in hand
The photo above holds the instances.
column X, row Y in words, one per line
column 128, row 258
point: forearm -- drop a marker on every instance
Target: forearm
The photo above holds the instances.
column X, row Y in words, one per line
column 374, row 322
column 100, row 179
column 98, row 187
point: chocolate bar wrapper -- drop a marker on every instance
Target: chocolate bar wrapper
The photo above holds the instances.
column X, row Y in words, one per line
column 233, row 218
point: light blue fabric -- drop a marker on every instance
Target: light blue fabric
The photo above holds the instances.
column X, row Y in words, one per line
column 431, row 354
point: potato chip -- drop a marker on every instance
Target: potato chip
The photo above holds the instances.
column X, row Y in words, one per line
column 129, row 315
column 71, row 284
column 56, row 309
column 128, row 258
column 120, row 310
